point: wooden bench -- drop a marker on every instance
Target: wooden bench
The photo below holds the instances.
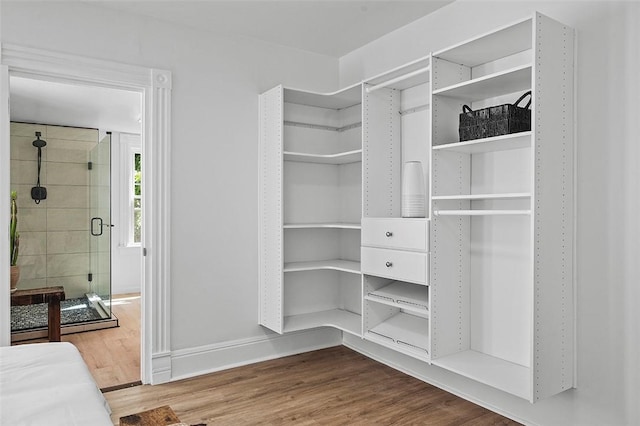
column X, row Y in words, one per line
column 50, row 295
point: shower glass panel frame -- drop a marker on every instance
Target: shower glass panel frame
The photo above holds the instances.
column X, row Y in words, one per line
column 100, row 225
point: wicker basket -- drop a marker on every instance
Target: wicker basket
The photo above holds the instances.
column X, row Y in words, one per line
column 495, row 121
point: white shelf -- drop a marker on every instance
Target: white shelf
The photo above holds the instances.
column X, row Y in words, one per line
column 505, row 41
column 496, row 143
column 410, row 297
column 322, row 126
column 506, row 196
column 500, row 83
column 480, row 212
column 354, row 156
column 337, row 100
column 335, row 265
column 496, row 372
column 403, row 332
column 338, row 318
column 333, row 225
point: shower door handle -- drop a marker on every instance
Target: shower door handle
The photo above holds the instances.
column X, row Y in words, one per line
column 97, row 220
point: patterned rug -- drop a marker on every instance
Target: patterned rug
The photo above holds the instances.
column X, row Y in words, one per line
column 161, row 416
column 35, row 316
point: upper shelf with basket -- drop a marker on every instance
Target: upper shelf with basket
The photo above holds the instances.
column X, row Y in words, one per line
column 480, row 87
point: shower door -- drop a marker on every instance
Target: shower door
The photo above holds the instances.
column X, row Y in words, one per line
column 100, row 224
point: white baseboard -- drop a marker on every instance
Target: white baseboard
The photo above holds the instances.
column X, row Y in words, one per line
column 160, row 368
column 192, row 362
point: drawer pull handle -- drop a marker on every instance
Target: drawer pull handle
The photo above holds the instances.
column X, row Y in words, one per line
column 388, row 233
column 389, row 264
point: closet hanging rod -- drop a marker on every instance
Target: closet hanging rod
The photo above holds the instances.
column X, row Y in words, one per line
column 415, row 109
column 397, row 79
column 322, row 126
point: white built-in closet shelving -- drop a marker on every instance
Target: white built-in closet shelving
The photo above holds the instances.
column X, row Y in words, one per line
column 502, row 223
column 395, row 249
column 483, row 284
column 311, row 172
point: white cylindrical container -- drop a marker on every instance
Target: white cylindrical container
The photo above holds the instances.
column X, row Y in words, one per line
column 413, row 190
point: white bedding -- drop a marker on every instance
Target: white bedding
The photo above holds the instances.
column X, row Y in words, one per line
column 49, row 384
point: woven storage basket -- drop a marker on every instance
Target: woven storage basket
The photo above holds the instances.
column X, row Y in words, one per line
column 495, row 120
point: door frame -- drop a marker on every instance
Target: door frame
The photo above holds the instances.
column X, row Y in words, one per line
column 155, row 87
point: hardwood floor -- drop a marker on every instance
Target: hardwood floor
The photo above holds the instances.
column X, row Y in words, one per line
column 112, row 355
column 334, row 386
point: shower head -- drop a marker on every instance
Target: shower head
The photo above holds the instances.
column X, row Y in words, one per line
column 39, row 143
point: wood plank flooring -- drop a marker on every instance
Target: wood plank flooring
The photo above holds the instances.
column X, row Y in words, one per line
column 112, row 355
column 334, row 386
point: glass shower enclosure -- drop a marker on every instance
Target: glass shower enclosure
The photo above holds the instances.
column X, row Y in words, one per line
column 65, row 239
column 100, row 226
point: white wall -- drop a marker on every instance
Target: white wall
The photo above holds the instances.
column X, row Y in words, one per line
column 608, row 201
column 216, row 82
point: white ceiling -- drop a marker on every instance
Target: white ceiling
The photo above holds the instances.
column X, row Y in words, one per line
column 328, row 27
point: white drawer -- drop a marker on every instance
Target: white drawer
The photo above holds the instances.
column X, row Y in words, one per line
column 395, row 264
column 396, row 233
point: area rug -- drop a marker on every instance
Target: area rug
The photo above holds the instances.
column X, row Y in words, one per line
column 160, row 416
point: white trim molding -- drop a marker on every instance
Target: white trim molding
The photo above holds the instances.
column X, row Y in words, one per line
column 155, row 87
column 156, row 205
column 207, row 359
column 5, row 315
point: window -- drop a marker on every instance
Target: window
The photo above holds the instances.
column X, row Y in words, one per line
column 130, row 183
column 137, row 198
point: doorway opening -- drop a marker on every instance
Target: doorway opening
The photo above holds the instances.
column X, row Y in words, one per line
column 154, row 85
column 71, row 238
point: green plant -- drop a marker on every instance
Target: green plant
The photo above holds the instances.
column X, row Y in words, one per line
column 14, row 236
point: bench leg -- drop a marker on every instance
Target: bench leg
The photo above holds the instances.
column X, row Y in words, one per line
column 54, row 318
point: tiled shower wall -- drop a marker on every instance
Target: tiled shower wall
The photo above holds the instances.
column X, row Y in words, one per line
column 54, row 235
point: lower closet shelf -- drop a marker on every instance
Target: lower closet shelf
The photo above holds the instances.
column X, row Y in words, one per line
column 501, row 374
column 410, row 297
column 405, row 333
column 338, row 318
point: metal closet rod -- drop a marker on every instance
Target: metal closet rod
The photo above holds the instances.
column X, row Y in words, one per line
column 414, row 109
column 397, row 79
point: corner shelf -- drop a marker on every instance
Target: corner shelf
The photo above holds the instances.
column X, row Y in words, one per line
column 354, row 156
column 338, row 318
column 496, row 143
column 335, row 265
